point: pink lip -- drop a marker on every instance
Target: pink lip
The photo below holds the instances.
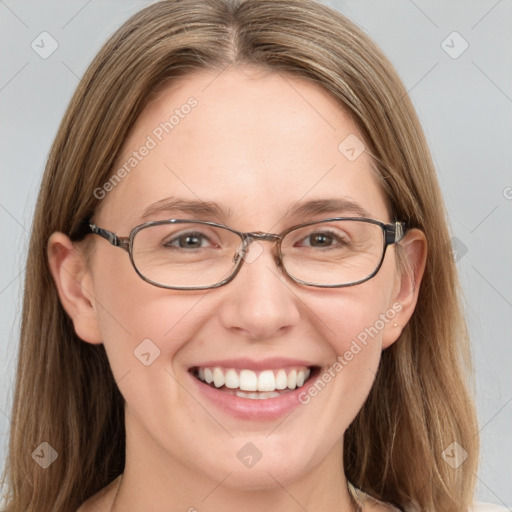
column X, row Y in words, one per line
column 245, row 363
column 247, row 408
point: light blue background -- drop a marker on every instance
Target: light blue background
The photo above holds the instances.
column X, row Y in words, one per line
column 465, row 105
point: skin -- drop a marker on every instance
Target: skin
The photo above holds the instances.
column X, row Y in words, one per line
column 256, row 143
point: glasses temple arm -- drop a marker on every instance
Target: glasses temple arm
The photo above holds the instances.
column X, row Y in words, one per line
column 111, row 238
column 395, row 232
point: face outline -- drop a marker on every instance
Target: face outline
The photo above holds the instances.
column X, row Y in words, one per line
column 224, row 151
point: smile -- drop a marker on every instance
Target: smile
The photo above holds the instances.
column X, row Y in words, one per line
column 251, row 384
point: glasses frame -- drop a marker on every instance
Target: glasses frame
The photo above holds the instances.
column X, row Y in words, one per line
column 393, row 233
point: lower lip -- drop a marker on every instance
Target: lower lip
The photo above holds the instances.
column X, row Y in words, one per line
column 253, row 409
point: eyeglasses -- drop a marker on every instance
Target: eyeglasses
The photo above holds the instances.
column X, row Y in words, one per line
column 195, row 255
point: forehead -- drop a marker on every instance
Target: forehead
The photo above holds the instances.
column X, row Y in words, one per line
column 253, row 141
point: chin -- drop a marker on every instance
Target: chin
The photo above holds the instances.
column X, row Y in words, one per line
column 263, row 477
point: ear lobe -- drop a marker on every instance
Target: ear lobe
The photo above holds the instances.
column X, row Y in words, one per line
column 71, row 277
column 405, row 294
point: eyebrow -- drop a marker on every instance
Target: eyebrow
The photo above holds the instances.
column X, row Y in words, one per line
column 328, row 207
column 173, row 205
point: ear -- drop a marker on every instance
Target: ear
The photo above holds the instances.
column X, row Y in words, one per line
column 74, row 286
column 407, row 285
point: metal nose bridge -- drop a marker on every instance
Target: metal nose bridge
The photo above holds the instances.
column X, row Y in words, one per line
column 258, row 235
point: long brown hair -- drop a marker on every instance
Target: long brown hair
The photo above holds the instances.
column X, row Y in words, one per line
column 65, row 392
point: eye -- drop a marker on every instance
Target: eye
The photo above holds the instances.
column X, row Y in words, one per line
column 322, row 239
column 190, row 240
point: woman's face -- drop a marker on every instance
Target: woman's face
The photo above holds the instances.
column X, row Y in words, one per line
column 257, row 145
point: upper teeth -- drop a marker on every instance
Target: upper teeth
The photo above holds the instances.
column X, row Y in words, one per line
column 248, row 380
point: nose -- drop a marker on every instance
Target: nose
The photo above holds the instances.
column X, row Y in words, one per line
column 260, row 302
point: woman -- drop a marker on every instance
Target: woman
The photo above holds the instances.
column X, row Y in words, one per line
column 240, row 291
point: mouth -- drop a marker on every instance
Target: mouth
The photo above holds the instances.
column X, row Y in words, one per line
column 245, row 383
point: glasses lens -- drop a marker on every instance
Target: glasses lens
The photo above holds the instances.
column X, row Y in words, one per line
column 185, row 255
column 333, row 253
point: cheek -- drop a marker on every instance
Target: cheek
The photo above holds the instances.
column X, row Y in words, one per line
column 354, row 316
column 141, row 325
column 353, row 322
column 143, row 336
column 160, row 325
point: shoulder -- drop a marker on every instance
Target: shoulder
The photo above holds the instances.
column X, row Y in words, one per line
column 479, row 507
column 377, row 506
column 487, row 507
